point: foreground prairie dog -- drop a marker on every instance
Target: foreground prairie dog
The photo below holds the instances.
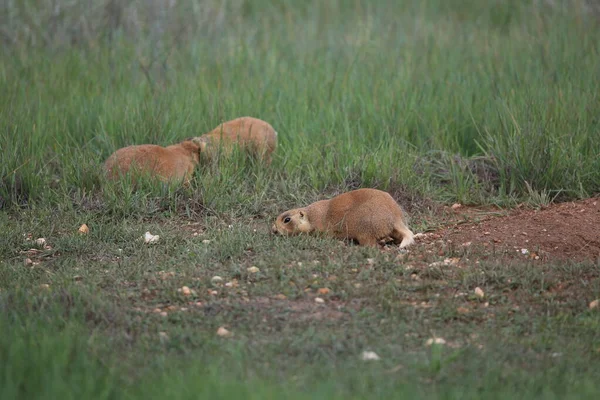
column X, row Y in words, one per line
column 251, row 134
column 364, row 215
column 173, row 163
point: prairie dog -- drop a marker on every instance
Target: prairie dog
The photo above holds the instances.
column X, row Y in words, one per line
column 364, row 215
column 254, row 135
column 168, row 164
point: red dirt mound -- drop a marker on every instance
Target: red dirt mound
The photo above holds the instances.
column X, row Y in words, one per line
column 559, row 231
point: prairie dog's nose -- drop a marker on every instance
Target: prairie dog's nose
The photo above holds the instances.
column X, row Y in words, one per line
column 274, row 229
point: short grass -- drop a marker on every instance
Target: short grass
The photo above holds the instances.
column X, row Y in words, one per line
column 435, row 101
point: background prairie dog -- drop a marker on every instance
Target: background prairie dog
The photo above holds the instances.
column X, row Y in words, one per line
column 168, row 164
column 251, row 134
column 364, row 215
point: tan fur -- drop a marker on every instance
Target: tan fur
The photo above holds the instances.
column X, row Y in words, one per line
column 173, row 163
column 364, row 215
column 250, row 134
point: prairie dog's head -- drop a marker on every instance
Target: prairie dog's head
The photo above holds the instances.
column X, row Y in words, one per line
column 201, row 142
column 292, row 222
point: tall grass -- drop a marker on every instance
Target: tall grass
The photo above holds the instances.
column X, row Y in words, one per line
column 361, row 93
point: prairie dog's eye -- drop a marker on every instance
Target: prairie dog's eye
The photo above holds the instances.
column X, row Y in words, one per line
column 286, row 220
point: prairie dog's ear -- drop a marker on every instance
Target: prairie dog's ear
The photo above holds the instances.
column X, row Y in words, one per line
column 301, row 214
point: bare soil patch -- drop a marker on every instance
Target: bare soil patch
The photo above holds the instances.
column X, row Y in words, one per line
column 560, row 231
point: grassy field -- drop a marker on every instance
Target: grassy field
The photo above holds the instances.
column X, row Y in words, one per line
column 436, row 101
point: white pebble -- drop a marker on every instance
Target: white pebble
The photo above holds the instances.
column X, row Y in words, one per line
column 216, row 279
column 319, row 300
column 437, row 340
column 150, row 238
column 479, row 293
column 223, row 332
column 253, row 269
column 369, row 355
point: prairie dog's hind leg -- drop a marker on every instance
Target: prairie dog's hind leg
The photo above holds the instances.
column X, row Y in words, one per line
column 366, row 240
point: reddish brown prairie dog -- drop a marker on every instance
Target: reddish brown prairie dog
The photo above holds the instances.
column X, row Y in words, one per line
column 252, row 134
column 169, row 164
column 364, row 215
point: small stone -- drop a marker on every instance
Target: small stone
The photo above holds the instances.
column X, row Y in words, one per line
column 157, row 310
column 456, row 206
column 594, row 304
column 462, row 310
column 319, row 300
column 150, row 238
column 40, row 242
column 280, row 296
column 486, row 233
column 223, row 332
column 253, row 269
column 206, row 241
column 369, row 356
column 418, row 235
column 524, row 251
column 436, row 340
column 27, row 262
column 370, row 261
column 83, row 229
column 323, row 290
column 78, row 278
column 216, row 279
column 186, row 291
column 44, row 286
column 163, row 314
column 466, row 244
column 479, row 293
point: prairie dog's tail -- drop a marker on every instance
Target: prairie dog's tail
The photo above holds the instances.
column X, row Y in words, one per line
column 405, row 235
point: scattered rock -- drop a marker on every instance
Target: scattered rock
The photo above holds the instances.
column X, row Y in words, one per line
column 223, row 332
column 369, row 356
column 370, row 261
column 418, row 235
column 323, row 290
column 216, row 279
column 524, row 251
column 436, row 340
column 466, row 244
column 78, row 278
column 319, row 300
column 456, row 206
column 150, row 238
column 280, row 296
column 479, row 293
column 253, row 269
column 462, row 310
column 44, row 286
column 186, row 291
column 83, row 229
column 164, row 314
column 41, row 242
column 27, row 262
column 594, row 304
column 206, row 241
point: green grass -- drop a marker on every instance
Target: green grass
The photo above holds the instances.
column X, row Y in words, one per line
column 435, row 101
